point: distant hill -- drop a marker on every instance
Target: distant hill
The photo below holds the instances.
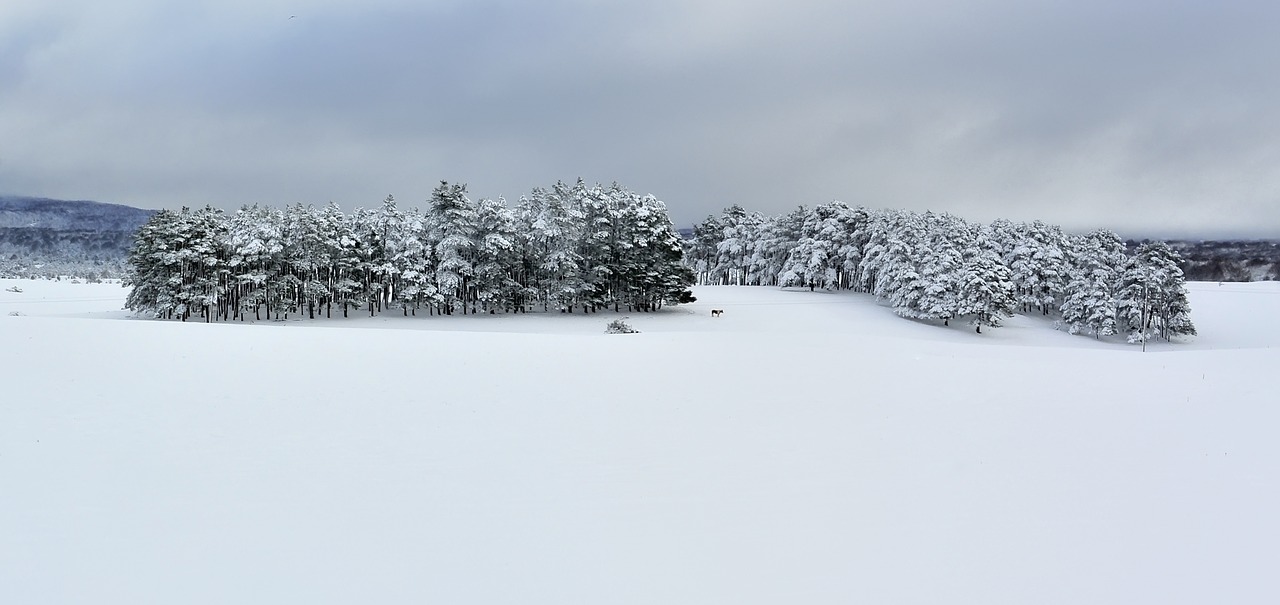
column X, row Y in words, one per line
column 1231, row 260
column 41, row 237
column 23, row 212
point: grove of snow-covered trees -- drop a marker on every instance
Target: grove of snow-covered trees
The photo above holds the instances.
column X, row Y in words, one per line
column 938, row 267
column 570, row 246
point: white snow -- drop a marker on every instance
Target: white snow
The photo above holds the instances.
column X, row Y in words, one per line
column 803, row 448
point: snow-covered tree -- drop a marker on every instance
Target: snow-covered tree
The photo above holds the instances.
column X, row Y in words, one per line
column 826, row 252
column 179, row 264
column 453, row 231
column 552, row 225
column 1152, row 298
column 495, row 262
column 650, row 256
column 701, row 250
column 1089, row 304
column 737, row 243
column 154, row 274
column 985, row 289
column 1037, row 263
column 937, row 267
column 413, row 261
column 946, row 237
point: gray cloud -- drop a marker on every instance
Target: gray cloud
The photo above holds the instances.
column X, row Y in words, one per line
column 1151, row 118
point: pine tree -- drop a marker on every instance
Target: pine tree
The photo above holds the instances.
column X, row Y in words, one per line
column 737, row 242
column 895, row 259
column 1089, row 304
column 701, row 251
column 412, row 260
column 1037, row 263
column 453, row 229
column 653, row 257
column 818, row 260
column 598, row 246
column 552, row 226
column 874, row 251
column 1152, row 298
column 346, row 285
column 847, row 231
column 986, row 292
column 179, row 261
column 940, row 266
column 495, row 263
column 153, row 274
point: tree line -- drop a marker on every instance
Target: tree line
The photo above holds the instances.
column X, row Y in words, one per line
column 939, row 267
column 571, row 246
column 1232, row 260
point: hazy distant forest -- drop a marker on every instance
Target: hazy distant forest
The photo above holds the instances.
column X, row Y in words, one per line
column 939, row 267
column 53, row 239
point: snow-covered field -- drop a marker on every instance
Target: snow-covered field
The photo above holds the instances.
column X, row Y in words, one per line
column 803, row 448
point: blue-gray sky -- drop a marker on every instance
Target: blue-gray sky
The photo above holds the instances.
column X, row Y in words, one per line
column 1154, row 118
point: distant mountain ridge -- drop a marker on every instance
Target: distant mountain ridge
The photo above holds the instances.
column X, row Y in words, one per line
column 21, row 212
column 41, row 237
column 1229, row 260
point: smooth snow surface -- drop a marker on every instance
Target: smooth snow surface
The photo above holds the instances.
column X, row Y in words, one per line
column 803, row 448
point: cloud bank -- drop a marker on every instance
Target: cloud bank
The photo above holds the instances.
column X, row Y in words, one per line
column 1152, row 118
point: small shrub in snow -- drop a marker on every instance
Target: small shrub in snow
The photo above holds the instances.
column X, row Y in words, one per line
column 620, row 326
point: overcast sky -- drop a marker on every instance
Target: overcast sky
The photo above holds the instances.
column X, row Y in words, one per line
column 1154, row 118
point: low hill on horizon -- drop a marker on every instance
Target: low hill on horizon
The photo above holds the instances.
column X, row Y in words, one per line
column 42, row 237
column 20, row 212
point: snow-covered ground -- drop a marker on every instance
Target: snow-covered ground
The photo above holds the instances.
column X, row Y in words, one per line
column 803, row 448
